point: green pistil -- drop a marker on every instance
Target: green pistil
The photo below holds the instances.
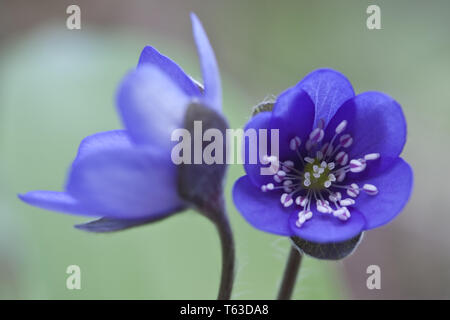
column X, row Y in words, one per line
column 316, row 183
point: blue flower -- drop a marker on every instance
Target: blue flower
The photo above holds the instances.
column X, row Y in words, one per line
column 127, row 176
column 338, row 172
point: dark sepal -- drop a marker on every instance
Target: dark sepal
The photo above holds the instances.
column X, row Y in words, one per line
column 103, row 225
column 202, row 184
column 327, row 251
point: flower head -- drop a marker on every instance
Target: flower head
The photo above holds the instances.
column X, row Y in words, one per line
column 127, row 176
column 338, row 172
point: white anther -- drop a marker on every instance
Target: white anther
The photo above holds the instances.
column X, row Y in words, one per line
column 309, row 160
column 353, row 190
column 277, row 178
column 342, row 158
column 331, row 165
column 357, row 165
column 286, row 185
column 346, row 140
column 286, row 200
column 288, row 165
column 335, row 197
column 316, row 175
column 295, row 143
column 370, row 189
column 372, row 156
column 340, row 176
column 315, row 168
column 307, row 175
column 307, row 183
column 327, row 184
column 308, row 214
column 341, row 126
column 281, row 173
column 347, row 202
column 319, row 155
column 301, row 201
column 331, row 177
column 322, row 206
column 316, row 135
column 342, row 213
column 266, row 187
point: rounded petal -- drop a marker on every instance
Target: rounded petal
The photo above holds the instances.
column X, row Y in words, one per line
column 101, row 141
column 376, row 123
column 150, row 55
column 328, row 89
column 262, row 210
column 252, row 153
column 394, row 189
column 125, row 183
column 151, row 106
column 293, row 115
column 325, row 228
column 57, row 201
column 210, row 70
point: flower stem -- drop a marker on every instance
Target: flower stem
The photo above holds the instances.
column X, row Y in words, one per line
column 290, row 274
column 228, row 257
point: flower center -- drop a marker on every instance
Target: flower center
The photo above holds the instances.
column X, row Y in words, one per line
column 319, row 179
column 316, row 175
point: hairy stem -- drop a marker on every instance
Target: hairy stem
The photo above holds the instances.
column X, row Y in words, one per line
column 228, row 257
column 290, row 274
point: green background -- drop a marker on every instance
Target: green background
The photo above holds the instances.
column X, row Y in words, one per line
column 57, row 86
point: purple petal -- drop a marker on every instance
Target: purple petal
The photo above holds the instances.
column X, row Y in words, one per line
column 251, row 149
column 103, row 140
column 57, row 201
column 262, row 210
column 151, row 56
column 208, row 63
column 325, row 228
column 293, row 115
column 377, row 125
column 394, row 189
column 125, row 183
column 151, row 106
column 328, row 89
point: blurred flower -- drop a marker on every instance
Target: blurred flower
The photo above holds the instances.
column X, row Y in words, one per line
column 127, row 176
column 338, row 172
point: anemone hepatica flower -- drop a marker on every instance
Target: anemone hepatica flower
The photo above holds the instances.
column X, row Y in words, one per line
column 127, row 176
column 338, row 172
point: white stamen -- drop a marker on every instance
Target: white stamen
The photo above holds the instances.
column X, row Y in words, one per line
column 316, row 135
column 340, row 176
column 347, row 202
column 342, row 213
column 327, row 184
column 295, row 143
column 309, row 160
column 341, row 127
column 335, row 197
column 353, row 190
column 287, row 165
column 346, row 140
column 372, row 156
column 270, row 186
column 307, row 183
column 357, row 165
column 319, row 155
column 301, row 201
column 342, row 158
column 331, row 165
column 370, row 189
column 286, row 200
column 331, row 177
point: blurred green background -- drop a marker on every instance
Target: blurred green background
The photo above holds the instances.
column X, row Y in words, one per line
column 58, row 85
